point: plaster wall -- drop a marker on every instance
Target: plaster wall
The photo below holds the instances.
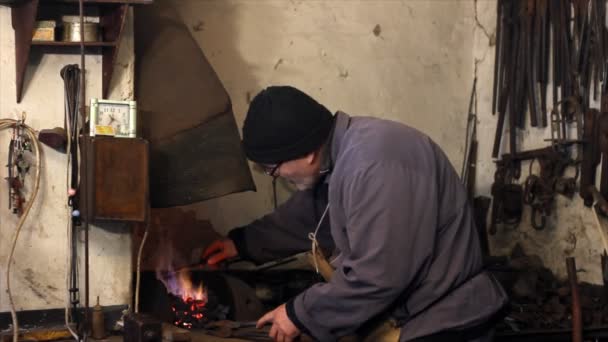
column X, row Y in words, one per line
column 409, row 61
column 38, row 274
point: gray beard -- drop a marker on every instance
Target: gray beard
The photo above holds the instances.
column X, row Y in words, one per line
column 305, row 183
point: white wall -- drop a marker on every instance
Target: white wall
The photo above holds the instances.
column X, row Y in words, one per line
column 38, row 275
column 417, row 70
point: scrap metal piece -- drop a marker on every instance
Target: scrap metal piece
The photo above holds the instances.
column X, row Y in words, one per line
column 142, row 328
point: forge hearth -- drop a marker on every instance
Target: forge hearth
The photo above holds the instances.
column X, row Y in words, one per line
column 229, row 295
column 225, row 298
column 176, row 239
column 192, row 303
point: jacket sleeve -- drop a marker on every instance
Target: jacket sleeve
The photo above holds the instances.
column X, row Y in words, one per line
column 391, row 216
column 284, row 232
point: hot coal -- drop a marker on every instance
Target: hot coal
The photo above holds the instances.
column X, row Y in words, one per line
column 195, row 314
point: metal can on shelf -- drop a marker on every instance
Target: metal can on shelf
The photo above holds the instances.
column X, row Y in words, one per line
column 71, row 32
column 44, row 30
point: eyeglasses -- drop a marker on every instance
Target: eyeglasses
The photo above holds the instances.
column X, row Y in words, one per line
column 270, row 170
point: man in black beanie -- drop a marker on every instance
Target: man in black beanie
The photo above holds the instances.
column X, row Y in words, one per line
column 383, row 200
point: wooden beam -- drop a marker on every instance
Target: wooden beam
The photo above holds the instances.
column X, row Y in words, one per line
column 24, row 18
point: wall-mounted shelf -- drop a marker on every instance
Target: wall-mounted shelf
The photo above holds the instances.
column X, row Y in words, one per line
column 87, row 44
column 125, row 2
column 128, row 2
column 112, row 15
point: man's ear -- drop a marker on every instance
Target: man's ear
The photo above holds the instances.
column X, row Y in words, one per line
column 312, row 157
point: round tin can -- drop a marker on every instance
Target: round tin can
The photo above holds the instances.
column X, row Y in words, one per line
column 71, row 32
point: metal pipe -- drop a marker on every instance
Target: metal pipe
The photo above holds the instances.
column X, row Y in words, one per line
column 83, row 173
column 577, row 316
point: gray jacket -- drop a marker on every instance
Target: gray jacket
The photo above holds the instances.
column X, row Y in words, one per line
column 403, row 231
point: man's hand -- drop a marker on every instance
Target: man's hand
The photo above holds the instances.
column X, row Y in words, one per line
column 219, row 251
column 283, row 330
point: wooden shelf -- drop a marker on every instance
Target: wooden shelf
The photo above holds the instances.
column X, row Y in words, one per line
column 74, row 44
column 126, row 2
column 112, row 15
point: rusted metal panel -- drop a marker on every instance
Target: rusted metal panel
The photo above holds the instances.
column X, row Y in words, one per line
column 118, row 178
column 186, row 114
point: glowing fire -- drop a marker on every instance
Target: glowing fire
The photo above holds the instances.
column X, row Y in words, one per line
column 180, row 284
column 190, row 299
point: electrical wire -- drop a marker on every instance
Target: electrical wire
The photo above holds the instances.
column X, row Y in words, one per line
column 84, row 171
column 139, row 253
column 69, row 237
column 71, row 76
column 4, row 124
column 68, row 270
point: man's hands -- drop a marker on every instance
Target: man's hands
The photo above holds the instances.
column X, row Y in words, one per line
column 283, row 330
column 219, row 251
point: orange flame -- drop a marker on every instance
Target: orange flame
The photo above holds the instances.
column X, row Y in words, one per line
column 188, row 291
column 180, row 284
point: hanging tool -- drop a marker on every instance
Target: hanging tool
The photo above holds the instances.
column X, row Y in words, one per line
column 507, row 206
column 533, row 35
column 17, row 166
column 467, row 175
column 591, row 152
column 71, row 78
column 538, row 191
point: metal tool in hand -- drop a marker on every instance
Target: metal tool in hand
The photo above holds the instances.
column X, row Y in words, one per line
column 246, row 330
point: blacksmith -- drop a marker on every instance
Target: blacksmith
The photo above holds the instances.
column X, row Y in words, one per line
column 382, row 202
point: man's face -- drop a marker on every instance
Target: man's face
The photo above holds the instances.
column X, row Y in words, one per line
column 303, row 173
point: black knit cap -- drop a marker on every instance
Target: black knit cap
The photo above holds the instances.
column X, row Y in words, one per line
column 283, row 123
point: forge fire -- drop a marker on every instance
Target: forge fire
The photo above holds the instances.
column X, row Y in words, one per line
column 188, row 300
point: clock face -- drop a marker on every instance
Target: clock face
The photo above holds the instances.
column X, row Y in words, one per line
column 115, row 116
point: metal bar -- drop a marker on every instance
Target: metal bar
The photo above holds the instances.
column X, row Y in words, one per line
column 520, row 104
column 506, row 86
column 531, row 63
column 556, row 49
column 84, row 169
column 577, row 317
column 545, row 50
column 497, row 59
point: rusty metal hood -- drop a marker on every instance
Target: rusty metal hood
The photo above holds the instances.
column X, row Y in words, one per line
column 186, row 114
